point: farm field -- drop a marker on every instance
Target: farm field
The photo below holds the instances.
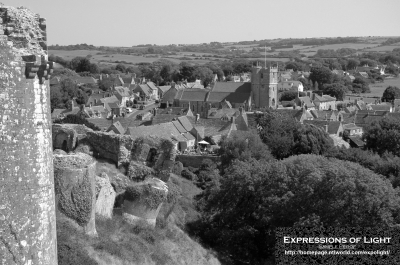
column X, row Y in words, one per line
column 270, row 59
column 378, row 88
column 356, row 46
column 387, row 48
column 68, row 55
column 295, row 47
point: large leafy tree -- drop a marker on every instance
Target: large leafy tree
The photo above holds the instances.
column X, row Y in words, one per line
column 322, row 75
column 243, row 146
column 337, row 90
column 391, row 93
column 383, row 136
column 240, row 216
column 285, row 136
column 204, row 74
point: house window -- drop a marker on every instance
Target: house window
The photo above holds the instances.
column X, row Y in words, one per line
column 262, row 75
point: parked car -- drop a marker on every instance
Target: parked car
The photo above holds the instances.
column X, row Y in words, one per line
column 134, row 106
column 129, row 110
column 157, row 101
column 141, row 107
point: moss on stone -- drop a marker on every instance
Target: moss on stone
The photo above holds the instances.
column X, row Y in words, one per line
column 149, row 195
column 77, row 202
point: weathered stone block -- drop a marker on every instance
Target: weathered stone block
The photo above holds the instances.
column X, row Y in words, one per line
column 144, row 201
column 74, row 177
column 105, row 196
column 138, row 171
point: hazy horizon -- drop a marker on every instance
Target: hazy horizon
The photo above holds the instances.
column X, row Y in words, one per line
column 131, row 23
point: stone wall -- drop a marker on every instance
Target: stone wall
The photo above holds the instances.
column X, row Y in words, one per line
column 111, row 146
column 27, row 208
column 195, row 161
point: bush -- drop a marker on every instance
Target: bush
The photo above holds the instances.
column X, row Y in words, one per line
column 178, row 167
column 188, row 175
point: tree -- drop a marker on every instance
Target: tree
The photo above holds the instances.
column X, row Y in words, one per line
column 285, row 136
column 121, row 68
column 240, row 216
column 290, row 95
column 186, row 72
column 361, row 84
column 243, row 146
column 106, row 84
column 276, row 131
column 336, row 90
column 80, row 64
column 391, row 93
column 383, row 136
column 352, row 64
column 204, row 74
column 322, row 75
column 309, row 139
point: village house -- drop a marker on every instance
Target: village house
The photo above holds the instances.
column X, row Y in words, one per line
column 290, row 86
column 116, row 128
column 300, row 115
column 327, row 115
column 330, row 127
column 324, row 102
column 122, row 94
column 304, row 102
column 147, row 91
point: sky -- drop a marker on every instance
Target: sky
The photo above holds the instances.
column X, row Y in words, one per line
column 126, row 23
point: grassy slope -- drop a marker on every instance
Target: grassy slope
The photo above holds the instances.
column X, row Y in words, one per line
column 121, row 243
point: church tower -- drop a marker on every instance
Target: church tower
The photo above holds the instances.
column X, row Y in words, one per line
column 264, row 86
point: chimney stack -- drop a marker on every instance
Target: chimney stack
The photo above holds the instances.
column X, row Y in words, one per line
column 232, row 120
column 197, row 117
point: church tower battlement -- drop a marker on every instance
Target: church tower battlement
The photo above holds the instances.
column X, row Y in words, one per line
column 264, row 86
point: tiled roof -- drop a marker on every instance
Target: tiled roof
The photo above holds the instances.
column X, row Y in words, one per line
column 218, row 113
column 211, row 126
column 55, row 80
column 113, row 105
column 333, row 126
column 144, row 88
column 189, row 136
column 109, row 99
column 170, row 95
column 164, row 88
column 194, row 95
column 185, row 121
column 350, row 126
column 237, row 87
column 164, row 130
column 84, row 79
column 117, row 128
column 151, row 85
column 56, row 113
column 122, row 91
column 179, row 126
column 307, row 101
column 382, row 107
column 357, row 140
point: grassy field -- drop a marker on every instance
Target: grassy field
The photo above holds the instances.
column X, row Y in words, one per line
column 68, row 55
column 387, row 48
column 378, row 88
column 356, row 46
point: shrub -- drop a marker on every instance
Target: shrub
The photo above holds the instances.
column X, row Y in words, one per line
column 147, row 194
column 178, row 167
column 188, row 175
